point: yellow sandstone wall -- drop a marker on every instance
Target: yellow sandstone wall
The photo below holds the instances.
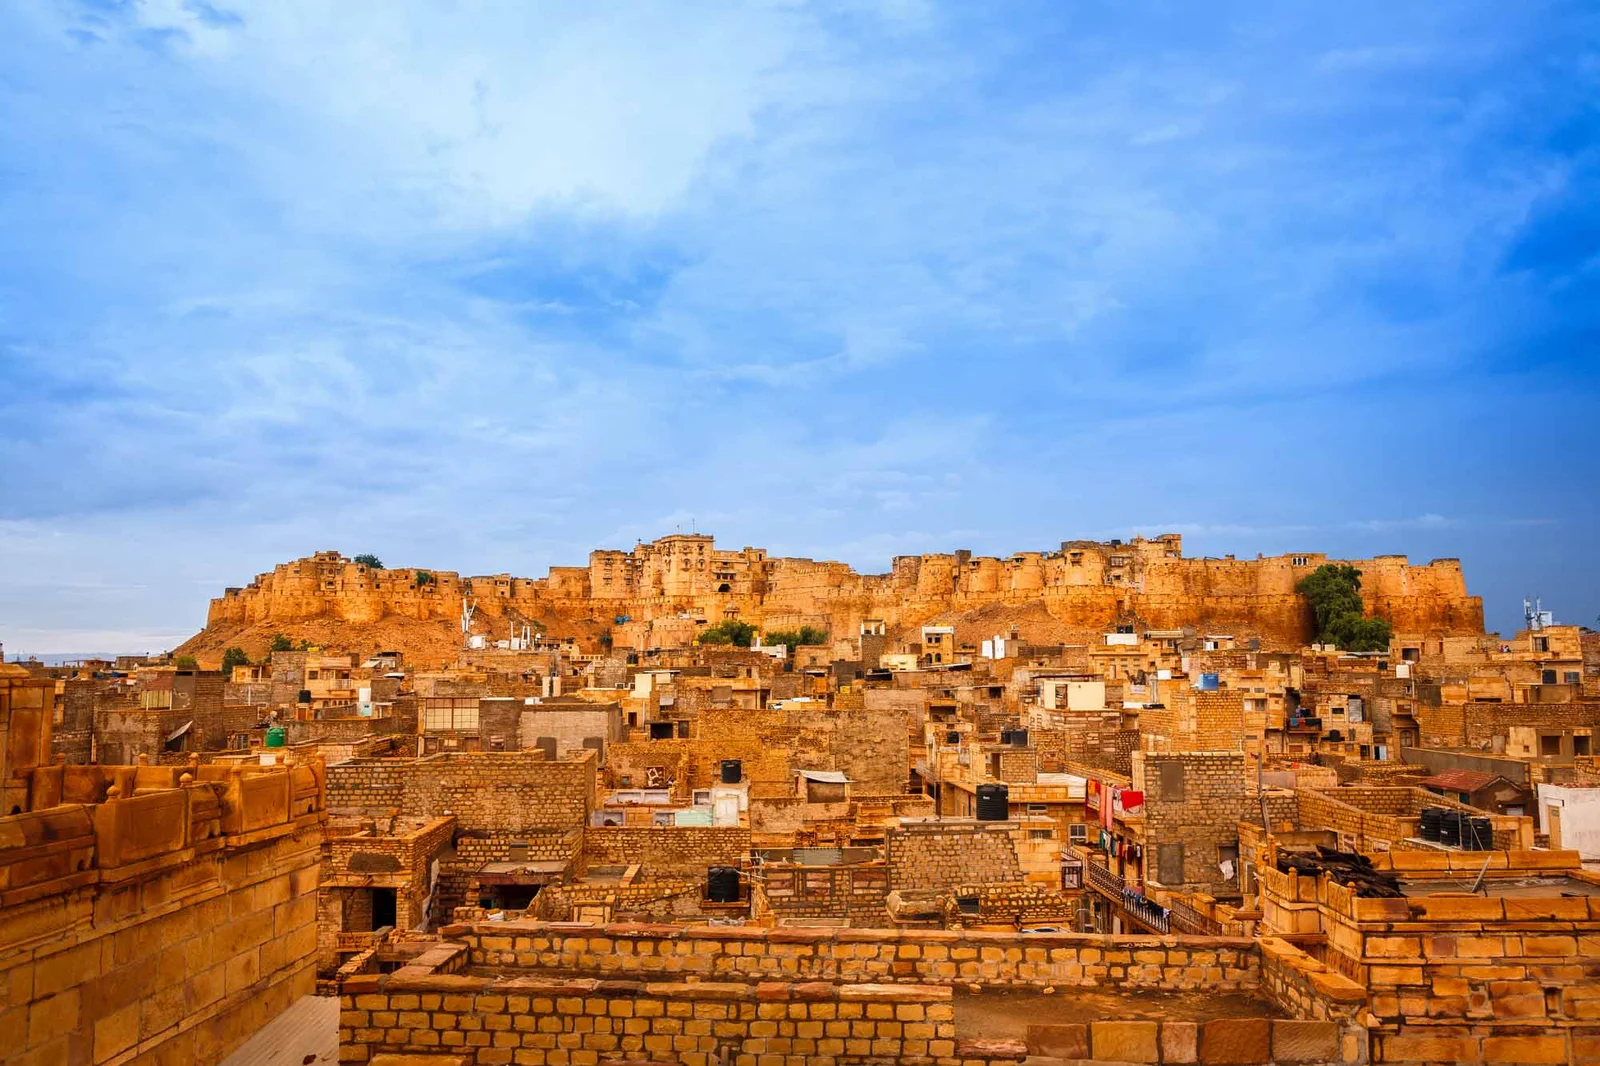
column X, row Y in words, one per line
column 1085, row 585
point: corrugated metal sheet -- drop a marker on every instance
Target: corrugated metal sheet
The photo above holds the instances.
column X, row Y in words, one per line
column 305, row 1034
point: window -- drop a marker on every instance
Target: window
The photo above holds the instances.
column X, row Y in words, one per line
column 1169, row 864
column 444, row 715
column 1171, row 781
column 1077, row 833
column 1582, row 745
column 1038, row 809
column 1300, row 560
column 1541, row 643
column 1041, row 834
column 1547, row 677
column 1571, row 677
column 1549, row 745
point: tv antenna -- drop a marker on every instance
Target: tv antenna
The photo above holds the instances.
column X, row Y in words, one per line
column 468, row 608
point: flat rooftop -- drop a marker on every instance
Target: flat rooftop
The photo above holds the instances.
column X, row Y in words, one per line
column 1501, row 887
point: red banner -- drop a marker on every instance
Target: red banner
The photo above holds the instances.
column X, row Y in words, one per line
column 1091, row 796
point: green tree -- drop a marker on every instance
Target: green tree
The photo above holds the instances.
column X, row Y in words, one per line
column 424, row 578
column 793, row 638
column 1334, row 592
column 730, row 631
column 233, row 657
column 371, row 560
column 185, row 662
column 281, row 643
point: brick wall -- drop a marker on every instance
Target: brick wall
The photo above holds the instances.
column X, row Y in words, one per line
column 943, row 854
column 911, row 956
column 509, row 791
column 667, row 851
column 697, row 1024
column 1198, row 815
column 855, row 892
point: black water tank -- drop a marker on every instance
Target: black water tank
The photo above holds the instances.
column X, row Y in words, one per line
column 992, row 803
column 722, row 884
column 1480, row 831
column 1450, row 829
column 1429, row 822
column 732, row 771
column 1019, row 738
column 305, row 696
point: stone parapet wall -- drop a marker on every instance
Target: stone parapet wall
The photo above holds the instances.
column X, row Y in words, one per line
column 178, row 962
column 913, row 956
column 532, row 1021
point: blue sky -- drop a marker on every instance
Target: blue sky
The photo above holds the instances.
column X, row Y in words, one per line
column 480, row 287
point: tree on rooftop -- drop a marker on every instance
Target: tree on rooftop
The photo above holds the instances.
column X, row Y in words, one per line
column 281, row 643
column 1334, row 592
column 729, row 631
column 370, row 560
column 185, row 662
column 424, row 578
column 233, row 657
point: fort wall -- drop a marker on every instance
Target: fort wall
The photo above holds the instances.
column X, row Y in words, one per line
column 1087, row 585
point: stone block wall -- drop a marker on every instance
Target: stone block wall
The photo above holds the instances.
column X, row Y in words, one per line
column 855, row 892
column 483, row 1021
column 667, row 851
column 942, row 854
column 475, row 847
column 1186, row 824
column 505, row 791
column 179, row 965
column 912, row 956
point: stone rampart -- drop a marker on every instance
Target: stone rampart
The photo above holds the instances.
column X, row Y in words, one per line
column 1085, row 586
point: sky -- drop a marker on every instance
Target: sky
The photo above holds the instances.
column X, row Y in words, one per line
column 481, row 287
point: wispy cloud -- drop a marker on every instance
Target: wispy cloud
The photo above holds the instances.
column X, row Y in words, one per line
column 486, row 291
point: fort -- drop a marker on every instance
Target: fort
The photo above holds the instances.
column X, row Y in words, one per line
column 1089, row 807
column 1072, row 592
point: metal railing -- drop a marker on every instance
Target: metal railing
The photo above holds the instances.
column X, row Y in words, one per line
column 1103, row 880
column 1146, row 912
column 1189, row 920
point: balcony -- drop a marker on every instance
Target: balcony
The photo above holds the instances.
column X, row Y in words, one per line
column 1189, row 920
column 1153, row 916
column 1105, row 882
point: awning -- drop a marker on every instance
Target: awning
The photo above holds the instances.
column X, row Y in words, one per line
column 180, row 731
column 826, row 777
